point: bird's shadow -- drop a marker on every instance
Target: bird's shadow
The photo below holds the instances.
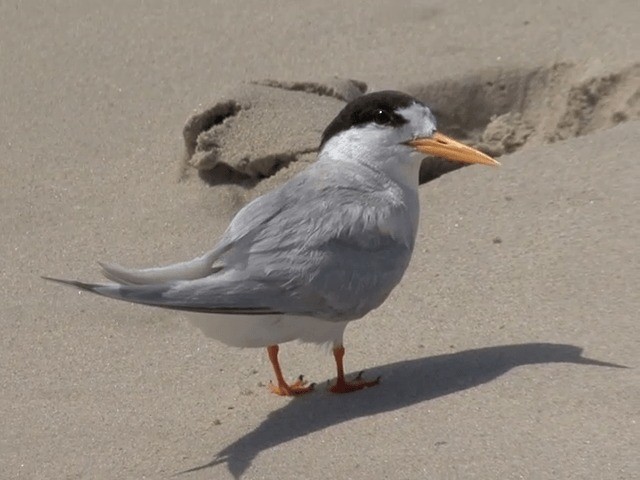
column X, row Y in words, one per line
column 404, row 383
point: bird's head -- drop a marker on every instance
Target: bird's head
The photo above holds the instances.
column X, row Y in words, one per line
column 392, row 130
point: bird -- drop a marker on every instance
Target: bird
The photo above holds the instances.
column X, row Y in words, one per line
column 317, row 252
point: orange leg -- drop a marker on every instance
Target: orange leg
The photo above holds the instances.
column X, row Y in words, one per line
column 342, row 386
column 283, row 388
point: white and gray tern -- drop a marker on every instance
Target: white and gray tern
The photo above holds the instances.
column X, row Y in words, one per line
column 321, row 250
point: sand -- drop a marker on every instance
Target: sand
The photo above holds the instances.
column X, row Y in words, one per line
column 500, row 352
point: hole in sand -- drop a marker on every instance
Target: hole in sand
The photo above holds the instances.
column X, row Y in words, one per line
column 496, row 111
column 501, row 111
column 207, row 120
column 264, row 167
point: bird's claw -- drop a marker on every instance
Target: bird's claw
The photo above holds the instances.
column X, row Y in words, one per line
column 343, row 386
column 299, row 387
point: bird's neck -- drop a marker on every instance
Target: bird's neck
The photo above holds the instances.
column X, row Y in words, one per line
column 394, row 166
column 405, row 173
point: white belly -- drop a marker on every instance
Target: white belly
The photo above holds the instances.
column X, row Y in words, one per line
column 264, row 330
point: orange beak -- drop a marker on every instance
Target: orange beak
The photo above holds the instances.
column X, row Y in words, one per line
column 439, row 145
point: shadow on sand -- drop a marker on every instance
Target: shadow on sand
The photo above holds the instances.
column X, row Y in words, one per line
column 403, row 384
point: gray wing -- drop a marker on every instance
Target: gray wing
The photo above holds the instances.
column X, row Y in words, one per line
column 328, row 248
column 248, row 220
column 312, row 247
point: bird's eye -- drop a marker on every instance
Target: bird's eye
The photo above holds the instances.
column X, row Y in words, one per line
column 381, row 117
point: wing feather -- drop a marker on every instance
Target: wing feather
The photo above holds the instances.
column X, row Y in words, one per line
column 314, row 246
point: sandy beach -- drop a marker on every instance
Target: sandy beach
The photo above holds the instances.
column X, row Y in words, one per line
column 133, row 131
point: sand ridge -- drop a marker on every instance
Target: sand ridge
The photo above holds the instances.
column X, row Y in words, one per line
column 254, row 132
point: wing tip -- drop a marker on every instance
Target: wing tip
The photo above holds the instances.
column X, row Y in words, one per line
column 90, row 287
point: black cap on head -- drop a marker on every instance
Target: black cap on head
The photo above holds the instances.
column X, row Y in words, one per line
column 377, row 107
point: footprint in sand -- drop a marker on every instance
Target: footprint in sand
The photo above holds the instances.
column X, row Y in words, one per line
column 262, row 127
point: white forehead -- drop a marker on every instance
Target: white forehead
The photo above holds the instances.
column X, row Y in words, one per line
column 420, row 118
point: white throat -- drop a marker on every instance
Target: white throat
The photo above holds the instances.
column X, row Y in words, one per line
column 398, row 162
